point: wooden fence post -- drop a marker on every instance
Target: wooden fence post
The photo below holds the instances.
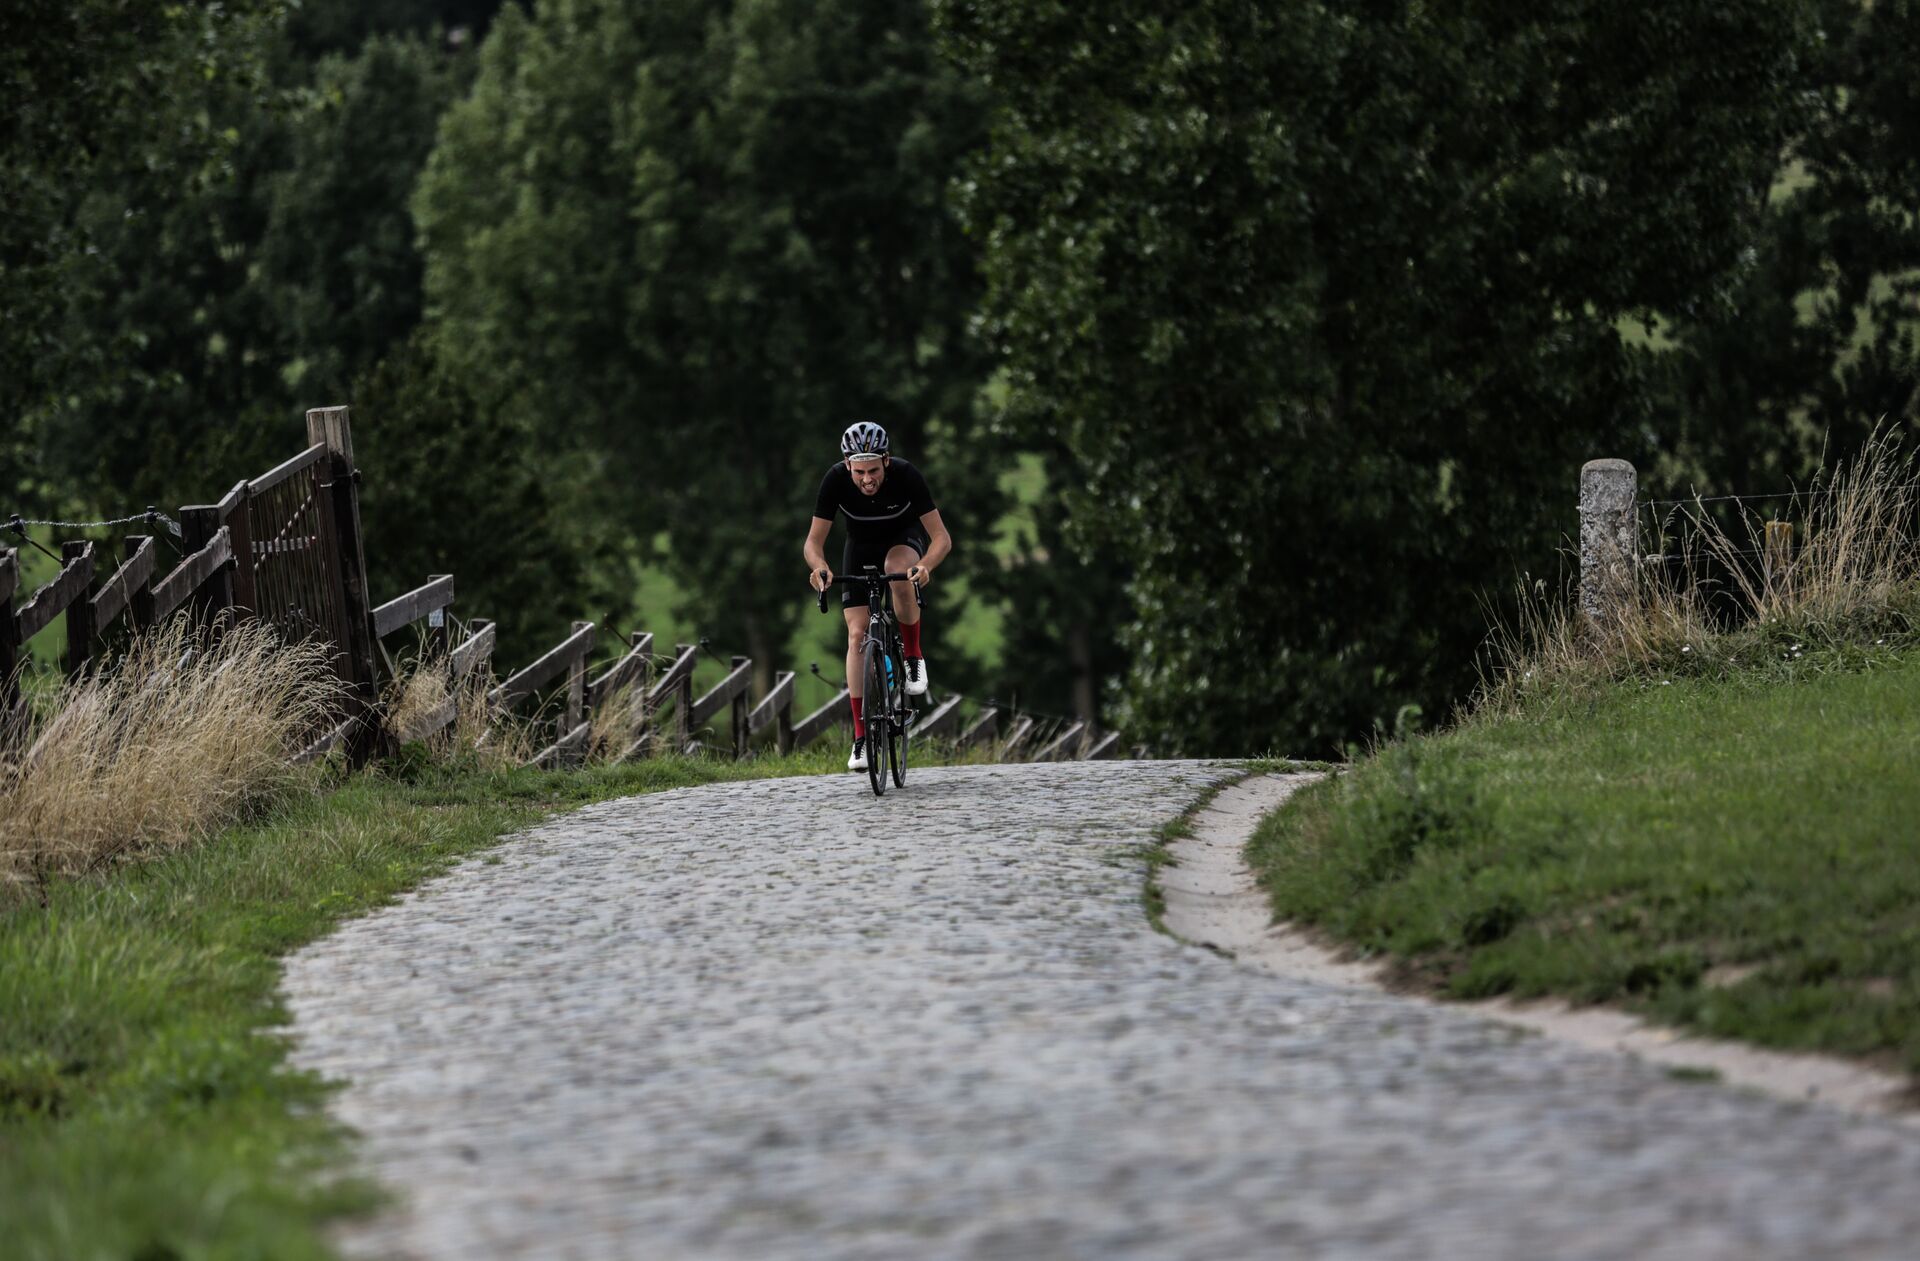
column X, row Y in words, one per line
column 439, row 632
column 640, row 641
column 140, row 599
column 9, row 646
column 783, row 716
column 739, row 711
column 1607, row 536
column 235, row 515
column 683, row 706
column 332, row 426
column 80, row 636
column 576, row 687
column 198, row 524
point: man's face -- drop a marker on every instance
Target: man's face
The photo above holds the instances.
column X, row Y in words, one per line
column 868, row 472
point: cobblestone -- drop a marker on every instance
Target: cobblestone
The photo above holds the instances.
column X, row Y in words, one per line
column 783, row 1019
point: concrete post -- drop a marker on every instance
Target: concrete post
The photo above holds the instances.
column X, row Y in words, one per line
column 1608, row 540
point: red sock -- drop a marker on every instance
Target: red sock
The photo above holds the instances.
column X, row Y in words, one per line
column 859, row 719
column 910, row 638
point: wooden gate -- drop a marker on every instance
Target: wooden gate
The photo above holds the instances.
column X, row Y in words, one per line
column 292, row 551
column 299, row 564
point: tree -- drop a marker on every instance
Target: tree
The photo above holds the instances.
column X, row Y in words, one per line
column 106, row 103
column 322, row 27
column 1323, row 302
column 337, row 255
column 216, row 312
column 1812, row 344
column 450, row 488
column 694, row 241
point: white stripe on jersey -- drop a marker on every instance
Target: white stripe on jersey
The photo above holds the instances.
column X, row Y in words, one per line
column 854, row 516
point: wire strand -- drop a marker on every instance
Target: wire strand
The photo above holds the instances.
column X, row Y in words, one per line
column 148, row 517
column 1721, row 499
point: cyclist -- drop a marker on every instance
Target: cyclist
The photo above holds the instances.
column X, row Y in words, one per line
column 893, row 527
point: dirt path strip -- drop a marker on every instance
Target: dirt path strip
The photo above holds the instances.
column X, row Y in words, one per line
column 1212, row 899
column 785, row 1020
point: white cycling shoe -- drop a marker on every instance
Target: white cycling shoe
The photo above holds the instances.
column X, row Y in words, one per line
column 916, row 676
column 858, row 762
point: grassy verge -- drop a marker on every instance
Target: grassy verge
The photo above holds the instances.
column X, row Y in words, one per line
column 1734, row 853
column 143, row 1114
column 1699, row 805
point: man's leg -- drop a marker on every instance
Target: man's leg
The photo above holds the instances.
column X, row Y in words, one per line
column 857, row 617
column 906, row 608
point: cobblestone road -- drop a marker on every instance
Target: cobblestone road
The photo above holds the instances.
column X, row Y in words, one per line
column 767, row 1020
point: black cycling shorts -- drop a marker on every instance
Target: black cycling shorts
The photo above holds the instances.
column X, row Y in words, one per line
column 857, row 557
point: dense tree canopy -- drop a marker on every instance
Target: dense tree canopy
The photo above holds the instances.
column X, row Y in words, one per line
column 695, row 241
column 1322, row 299
column 1308, row 313
column 1811, row 344
column 108, row 113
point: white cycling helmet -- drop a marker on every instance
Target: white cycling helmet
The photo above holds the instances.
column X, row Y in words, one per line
column 863, row 438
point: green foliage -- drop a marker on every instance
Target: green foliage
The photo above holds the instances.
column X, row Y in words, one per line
column 319, row 27
column 1732, row 852
column 1064, row 604
column 211, row 306
column 1812, row 343
column 452, row 489
column 691, row 243
column 337, row 256
column 1309, row 312
column 1322, row 303
column 108, row 112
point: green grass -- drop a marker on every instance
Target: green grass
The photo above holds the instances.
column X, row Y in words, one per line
column 143, row 1114
column 1736, row 853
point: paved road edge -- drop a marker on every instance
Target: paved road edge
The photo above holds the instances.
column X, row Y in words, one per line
column 1212, row 899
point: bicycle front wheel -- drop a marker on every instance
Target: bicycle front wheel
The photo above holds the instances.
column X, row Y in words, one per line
column 873, row 674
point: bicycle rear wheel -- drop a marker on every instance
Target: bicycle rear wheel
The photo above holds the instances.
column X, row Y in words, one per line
column 873, row 672
column 897, row 715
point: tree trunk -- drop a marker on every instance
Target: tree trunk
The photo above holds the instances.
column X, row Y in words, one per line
column 1080, row 656
column 761, row 650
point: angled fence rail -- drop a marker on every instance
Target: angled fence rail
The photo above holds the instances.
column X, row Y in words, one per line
column 134, row 596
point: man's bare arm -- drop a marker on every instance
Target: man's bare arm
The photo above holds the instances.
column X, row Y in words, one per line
column 939, row 543
column 815, row 550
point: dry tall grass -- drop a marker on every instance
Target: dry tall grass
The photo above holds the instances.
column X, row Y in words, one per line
column 616, row 722
column 1853, row 577
column 422, row 689
column 180, row 735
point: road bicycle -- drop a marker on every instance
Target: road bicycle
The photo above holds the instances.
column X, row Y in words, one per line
column 883, row 675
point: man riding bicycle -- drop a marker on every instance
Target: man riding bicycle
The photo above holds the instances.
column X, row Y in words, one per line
column 892, row 527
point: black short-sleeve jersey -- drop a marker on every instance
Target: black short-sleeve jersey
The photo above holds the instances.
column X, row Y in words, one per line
column 903, row 498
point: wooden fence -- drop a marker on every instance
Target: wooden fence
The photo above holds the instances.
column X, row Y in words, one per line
column 286, row 548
